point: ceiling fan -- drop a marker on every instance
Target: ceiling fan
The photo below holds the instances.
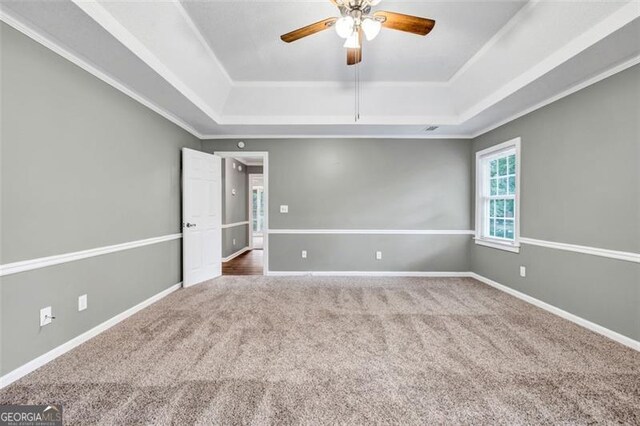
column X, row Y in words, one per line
column 358, row 19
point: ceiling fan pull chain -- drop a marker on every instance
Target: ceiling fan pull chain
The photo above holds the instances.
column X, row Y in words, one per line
column 356, row 83
column 358, row 110
column 355, row 93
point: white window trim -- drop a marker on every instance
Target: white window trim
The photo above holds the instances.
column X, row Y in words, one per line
column 513, row 246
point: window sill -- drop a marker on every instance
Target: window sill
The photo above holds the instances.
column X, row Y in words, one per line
column 498, row 245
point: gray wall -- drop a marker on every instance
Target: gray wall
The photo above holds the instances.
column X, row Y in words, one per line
column 235, row 208
column 366, row 184
column 580, row 185
column 83, row 166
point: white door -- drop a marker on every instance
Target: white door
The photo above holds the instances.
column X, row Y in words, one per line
column 201, row 217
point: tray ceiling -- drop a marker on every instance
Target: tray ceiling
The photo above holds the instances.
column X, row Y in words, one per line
column 218, row 68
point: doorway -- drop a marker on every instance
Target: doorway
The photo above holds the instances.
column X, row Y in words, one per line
column 256, row 211
column 245, row 242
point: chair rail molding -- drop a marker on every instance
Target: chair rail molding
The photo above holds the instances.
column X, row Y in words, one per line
column 373, row 231
column 233, row 225
column 595, row 251
column 43, row 262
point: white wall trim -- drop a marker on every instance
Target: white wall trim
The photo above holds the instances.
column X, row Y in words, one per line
column 627, row 341
column 233, row 225
column 368, row 274
column 234, row 255
column 99, row 13
column 597, row 32
column 43, row 262
column 593, row 80
column 334, row 136
column 372, row 231
column 38, row 362
column 71, row 57
column 595, row 251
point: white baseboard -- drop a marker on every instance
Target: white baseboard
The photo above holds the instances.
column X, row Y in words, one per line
column 368, row 273
column 627, row 341
column 236, row 254
column 32, row 365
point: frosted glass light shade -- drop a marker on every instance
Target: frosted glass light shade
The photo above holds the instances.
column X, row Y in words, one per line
column 344, row 26
column 353, row 42
column 371, row 28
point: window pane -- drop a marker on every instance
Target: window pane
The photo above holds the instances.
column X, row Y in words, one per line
column 499, row 208
column 500, row 228
column 508, row 229
column 502, row 186
column 492, row 227
column 492, row 208
column 509, row 209
column 502, row 166
column 494, row 184
column 512, row 164
column 494, row 168
column 512, row 185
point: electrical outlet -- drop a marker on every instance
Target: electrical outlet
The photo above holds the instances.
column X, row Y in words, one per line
column 284, row 209
column 82, row 302
column 234, row 241
column 378, row 255
column 523, row 271
column 45, row 316
column 304, row 254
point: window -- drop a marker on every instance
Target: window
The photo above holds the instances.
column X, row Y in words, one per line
column 498, row 196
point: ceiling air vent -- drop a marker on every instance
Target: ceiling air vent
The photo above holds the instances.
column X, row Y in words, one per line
column 430, row 128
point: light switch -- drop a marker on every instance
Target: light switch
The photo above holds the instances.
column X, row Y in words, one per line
column 284, row 209
column 45, row 316
column 82, row 302
column 304, row 254
column 523, row 271
column 234, row 241
column 378, row 255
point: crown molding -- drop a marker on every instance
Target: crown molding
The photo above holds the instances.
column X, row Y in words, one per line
column 612, row 23
column 576, row 88
column 625, row 14
column 332, row 136
column 106, row 20
column 47, row 42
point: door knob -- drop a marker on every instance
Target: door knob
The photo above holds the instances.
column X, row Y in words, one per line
column 190, row 225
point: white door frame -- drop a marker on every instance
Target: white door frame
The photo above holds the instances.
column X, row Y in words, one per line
column 265, row 176
column 250, row 195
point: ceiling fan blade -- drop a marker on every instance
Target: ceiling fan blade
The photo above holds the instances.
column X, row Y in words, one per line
column 308, row 30
column 407, row 23
column 354, row 55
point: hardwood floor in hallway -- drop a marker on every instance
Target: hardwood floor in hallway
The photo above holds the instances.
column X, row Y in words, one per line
column 248, row 263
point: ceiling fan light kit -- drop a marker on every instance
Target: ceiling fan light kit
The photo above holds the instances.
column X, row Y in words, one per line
column 357, row 19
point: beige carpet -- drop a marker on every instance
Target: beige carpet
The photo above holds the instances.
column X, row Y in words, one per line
column 341, row 350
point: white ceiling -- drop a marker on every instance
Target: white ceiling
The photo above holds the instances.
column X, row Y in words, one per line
column 245, row 35
column 218, row 69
